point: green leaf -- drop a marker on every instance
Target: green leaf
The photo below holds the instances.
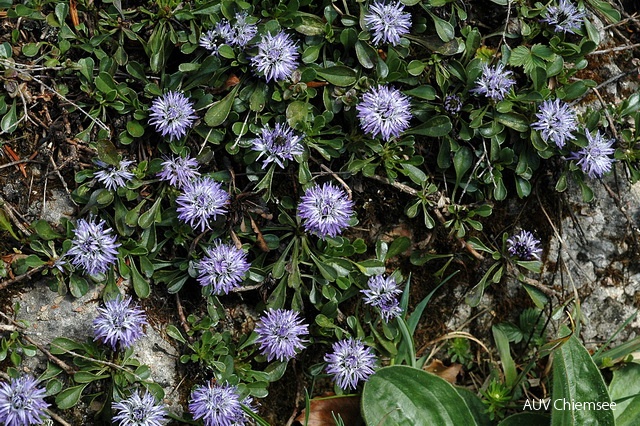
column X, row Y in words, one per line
column 297, row 114
column 398, row 246
column 338, row 75
column 5, row 224
column 219, row 111
column 173, row 332
column 135, row 129
column 415, row 67
column 406, row 396
column 367, row 56
column 517, row 122
column 526, row 419
column 140, row 284
column 625, row 388
column 78, row 285
column 576, row 378
column 414, row 173
column 435, row 127
column 69, row 397
column 508, row 366
column 423, row 92
column 9, row 122
column 445, row 30
column 308, row 24
column 44, row 230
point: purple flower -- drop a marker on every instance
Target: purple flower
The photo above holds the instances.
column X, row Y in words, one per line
column 114, row 177
column 325, row 210
column 351, row 362
column 217, row 405
column 382, row 293
column 223, row 268
column 211, row 41
column 594, row 158
column 139, row 411
column 243, row 31
column 452, row 104
column 179, row 171
column 277, row 145
column 201, row 200
column 565, row 17
column 494, row 82
column 384, row 111
column 524, row 246
column 277, row 56
column 387, row 21
column 93, row 247
column 22, row 402
column 556, row 120
column 172, row 114
column 279, row 334
column 119, row 323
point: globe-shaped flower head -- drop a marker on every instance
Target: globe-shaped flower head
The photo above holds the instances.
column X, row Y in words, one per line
column 201, row 200
column 384, row 111
column 350, row 363
column 524, row 246
column 179, row 171
column 172, row 114
column 277, row 56
column 556, row 121
column 22, row 402
column 217, row 405
column 387, row 21
column 119, row 324
column 93, row 247
column 564, row 17
column 223, row 268
column 382, row 293
column 139, row 411
column 277, row 144
column 495, row 82
column 114, row 177
column 594, row 159
column 243, row 30
column 279, row 334
column 325, row 210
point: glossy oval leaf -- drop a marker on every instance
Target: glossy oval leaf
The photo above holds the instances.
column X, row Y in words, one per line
column 625, row 388
column 405, row 396
column 338, row 75
column 219, row 111
column 576, row 378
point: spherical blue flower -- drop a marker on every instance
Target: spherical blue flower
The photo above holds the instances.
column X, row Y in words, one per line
column 351, row 362
column 387, row 21
column 172, row 114
column 452, row 104
column 556, row 120
column 325, row 210
column 278, row 144
column 139, row 411
column 22, row 402
column 594, row 158
column 243, row 30
column 524, row 246
column 201, row 200
column 277, row 56
column 217, row 405
column 223, row 268
column 179, row 171
column 382, row 293
column 495, row 82
column 211, row 40
column 384, row 111
column 564, row 17
column 279, row 334
column 93, row 247
column 114, row 177
column 119, row 324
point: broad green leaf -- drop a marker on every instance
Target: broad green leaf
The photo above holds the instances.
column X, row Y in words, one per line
column 219, row 111
column 140, row 284
column 423, row 92
column 338, row 75
column 296, row 114
column 437, row 126
column 576, row 378
column 367, row 56
column 508, row 366
column 526, row 419
column 308, row 24
column 406, row 396
column 517, row 122
column 625, row 387
column 476, row 406
column 69, row 397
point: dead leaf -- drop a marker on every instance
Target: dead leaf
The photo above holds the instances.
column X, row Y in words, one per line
column 448, row 373
column 321, row 409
